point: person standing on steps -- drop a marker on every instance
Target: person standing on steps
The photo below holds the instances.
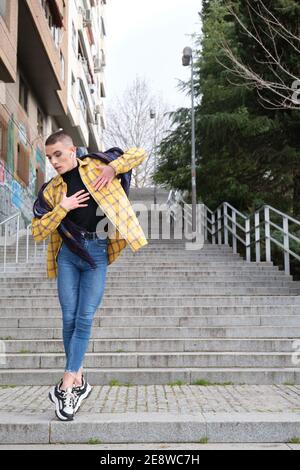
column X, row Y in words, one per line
column 78, row 255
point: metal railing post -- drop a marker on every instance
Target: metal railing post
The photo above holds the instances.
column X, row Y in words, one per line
column 17, row 241
column 248, row 239
column 219, row 226
column 234, row 239
column 267, row 233
column 257, row 236
column 205, row 224
column 27, row 243
column 286, row 245
column 5, row 242
column 213, row 228
column 225, row 224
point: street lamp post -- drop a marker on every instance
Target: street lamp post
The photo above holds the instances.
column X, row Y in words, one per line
column 153, row 116
column 187, row 59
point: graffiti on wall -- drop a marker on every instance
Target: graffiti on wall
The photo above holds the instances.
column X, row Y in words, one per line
column 16, row 195
column 40, row 159
column 22, row 134
column 2, row 173
column 10, row 144
column 32, row 173
column 13, row 195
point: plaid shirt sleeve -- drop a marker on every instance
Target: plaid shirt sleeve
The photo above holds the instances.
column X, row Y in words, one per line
column 43, row 227
column 130, row 159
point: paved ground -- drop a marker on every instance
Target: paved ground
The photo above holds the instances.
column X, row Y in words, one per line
column 159, row 447
column 168, row 417
column 187, row 399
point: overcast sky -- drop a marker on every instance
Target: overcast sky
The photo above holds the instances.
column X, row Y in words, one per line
column 146, row 38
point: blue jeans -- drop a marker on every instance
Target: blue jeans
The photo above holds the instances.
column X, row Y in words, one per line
column 80, row 291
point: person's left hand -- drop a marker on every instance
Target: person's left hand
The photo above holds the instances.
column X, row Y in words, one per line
column 106, row 177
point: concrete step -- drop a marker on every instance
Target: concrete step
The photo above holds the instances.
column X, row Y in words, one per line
column 168, row 288
column 144, row 429
column 143, row 272
column 148, row 249
column 157, row 279
column 157, row 375
column 156, row 345
column 152, row 359
column 160, row 321
column 154, row 292
column 139, row 332
column 153, row 265
column 148, row 301
column 108, row 312
column 114, row 281
column 159, row 274
column 209, row 266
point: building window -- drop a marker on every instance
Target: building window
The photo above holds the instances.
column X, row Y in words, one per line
column 40, row 122
column 62, row 66
column 73, row 87
column 102, row 90
column 56, row 35
column 40, row 180
column 82, row 103
column 3, row 8
column 103, row 26
column 46, row 8
column 103, row 58
column 74, row 38
column 3, row 137
column 53, row 18
column 23, row 95
column 23, row 164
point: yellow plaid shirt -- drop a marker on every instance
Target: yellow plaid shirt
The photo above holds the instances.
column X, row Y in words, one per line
column 113, row 201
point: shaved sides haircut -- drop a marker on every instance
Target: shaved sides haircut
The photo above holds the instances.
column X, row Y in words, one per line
column 59, row 136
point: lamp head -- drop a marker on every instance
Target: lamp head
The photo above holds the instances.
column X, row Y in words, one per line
column 187, row 56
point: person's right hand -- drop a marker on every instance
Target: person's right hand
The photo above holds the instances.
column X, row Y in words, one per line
column 75, row 201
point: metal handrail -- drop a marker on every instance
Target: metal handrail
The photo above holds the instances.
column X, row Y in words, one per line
column 220, row 225
column 5, row 223
column 10, row 218
column 175, row 199
column 28, row 229
column 251, row 228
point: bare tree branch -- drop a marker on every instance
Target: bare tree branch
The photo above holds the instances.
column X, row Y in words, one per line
column 284, row 86
column 129, row 125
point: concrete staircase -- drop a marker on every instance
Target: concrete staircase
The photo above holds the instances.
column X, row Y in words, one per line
column 171, row 321
column 167, row 315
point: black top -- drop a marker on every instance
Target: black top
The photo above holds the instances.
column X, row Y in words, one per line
column 85, row 217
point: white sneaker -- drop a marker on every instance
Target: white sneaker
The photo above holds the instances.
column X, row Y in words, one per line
column 81, row 393
column 64, row 402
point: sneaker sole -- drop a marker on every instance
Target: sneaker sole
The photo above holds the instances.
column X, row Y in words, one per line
column 83, row 397
column 54, row 400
